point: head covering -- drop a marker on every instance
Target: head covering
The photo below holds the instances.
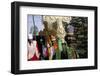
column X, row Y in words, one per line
column 70, row 29
column 30, row 36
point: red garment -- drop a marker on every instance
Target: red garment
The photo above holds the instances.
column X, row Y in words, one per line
column 47, row 54
column 35, row 57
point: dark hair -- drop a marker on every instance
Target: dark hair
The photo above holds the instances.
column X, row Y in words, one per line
column 30, row 41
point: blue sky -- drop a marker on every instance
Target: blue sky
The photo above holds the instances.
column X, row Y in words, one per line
column 38, row 22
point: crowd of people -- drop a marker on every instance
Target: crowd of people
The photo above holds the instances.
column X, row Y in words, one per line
column 49, row 47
